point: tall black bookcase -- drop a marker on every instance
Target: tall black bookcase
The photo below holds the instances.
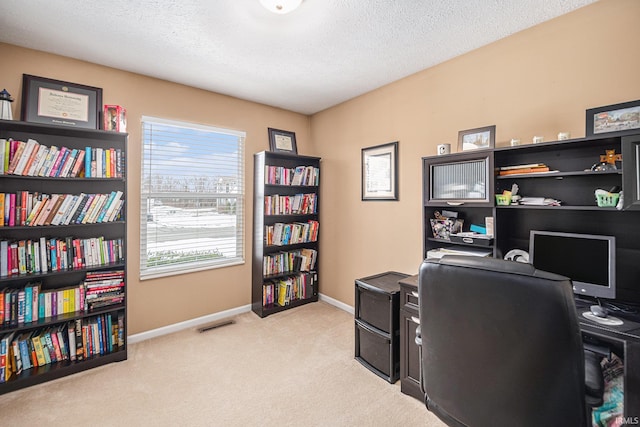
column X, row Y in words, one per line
column 110, row 345
column 295, row 223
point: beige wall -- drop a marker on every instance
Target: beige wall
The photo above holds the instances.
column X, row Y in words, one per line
column 160, row 302
column 537, row 82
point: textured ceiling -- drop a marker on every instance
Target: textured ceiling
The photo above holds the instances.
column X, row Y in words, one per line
column 324, row 53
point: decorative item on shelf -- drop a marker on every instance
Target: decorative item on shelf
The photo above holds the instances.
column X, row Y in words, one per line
column 515, row 142
column 115, row 118
column 538, row 139
column 5, row 105
column 380, row 172
column 443, row 226
column 55, row 102
column 563, row 136
column 607, row 161
column 282, row 141
column 444, row 149
column 478, row 138
column 615, row 119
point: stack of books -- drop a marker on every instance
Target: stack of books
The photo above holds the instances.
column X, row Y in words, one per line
column 524, row 169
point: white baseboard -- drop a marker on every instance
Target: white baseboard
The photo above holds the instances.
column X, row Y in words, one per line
column 337, row 303
column 209, row 318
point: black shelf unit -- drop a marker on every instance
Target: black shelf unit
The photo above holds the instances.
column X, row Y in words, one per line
column 261, row 220
column 71, row 138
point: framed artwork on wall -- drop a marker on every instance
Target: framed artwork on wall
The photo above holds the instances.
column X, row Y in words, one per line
column 478, row 138
column 616, row 119
column 55, row 102
column 380, row 172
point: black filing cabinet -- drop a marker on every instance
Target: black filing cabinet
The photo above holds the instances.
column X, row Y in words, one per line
column 409, row 350
column 377, row 315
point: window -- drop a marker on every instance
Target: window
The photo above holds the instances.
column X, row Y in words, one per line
column 192, row 198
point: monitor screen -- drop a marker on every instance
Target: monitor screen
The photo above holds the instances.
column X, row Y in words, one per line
column 588, row 260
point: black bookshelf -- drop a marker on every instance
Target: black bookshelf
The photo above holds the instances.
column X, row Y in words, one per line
column 79, row 139
column 263, row 188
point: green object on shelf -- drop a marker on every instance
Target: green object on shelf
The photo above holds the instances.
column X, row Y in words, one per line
column 503, row 200
column 608, row 200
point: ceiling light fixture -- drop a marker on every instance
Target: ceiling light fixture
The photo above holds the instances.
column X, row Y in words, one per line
column 281, row 6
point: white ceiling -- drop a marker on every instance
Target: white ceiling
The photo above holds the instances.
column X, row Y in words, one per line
column 324, row 53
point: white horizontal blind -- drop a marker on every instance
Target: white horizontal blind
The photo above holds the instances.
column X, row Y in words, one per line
column 192, row 198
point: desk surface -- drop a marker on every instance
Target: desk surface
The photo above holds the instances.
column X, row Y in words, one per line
column 630, row 329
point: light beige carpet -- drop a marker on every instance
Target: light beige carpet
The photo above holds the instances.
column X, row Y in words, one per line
column 295, row 368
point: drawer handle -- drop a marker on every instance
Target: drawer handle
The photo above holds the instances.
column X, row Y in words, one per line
column 415, row 320
column 414, row 293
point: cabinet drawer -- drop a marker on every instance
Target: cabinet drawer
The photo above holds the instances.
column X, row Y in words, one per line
column 378, row 352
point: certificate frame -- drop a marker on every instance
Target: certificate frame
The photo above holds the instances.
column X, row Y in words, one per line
column 56, row 102
column 380, row 172
column 282, row 141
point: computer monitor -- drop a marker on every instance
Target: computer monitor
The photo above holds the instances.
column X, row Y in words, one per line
column 588, row 260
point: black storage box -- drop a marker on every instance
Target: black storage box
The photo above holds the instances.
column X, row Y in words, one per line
column 377, row 320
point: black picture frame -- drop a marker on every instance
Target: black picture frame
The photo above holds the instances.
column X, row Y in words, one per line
column 282, row 141
column 56, row 102
column 477, row 139
column 606, row 120
column 380, row 172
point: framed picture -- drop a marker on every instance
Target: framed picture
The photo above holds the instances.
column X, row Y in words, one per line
column 283, row 141
column 618, row 119
column 478, row 138
column 55, row 102
column 380, row 172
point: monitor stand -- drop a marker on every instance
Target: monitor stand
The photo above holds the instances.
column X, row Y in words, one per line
column 609, row 320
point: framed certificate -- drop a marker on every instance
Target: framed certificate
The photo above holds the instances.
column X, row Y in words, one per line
column 283, row 141
column 380, row 172
column 56, row 102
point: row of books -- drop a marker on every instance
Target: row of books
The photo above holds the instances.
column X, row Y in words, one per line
column 70, row 341
column 289, row 289
column 288, row 262
column 35, row 209
column 45, row 255
column 300, row 175
column 299, row 204
column 34, row 159
column 280, row 234
column 31, row 303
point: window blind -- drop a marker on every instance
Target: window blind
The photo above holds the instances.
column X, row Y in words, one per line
column 192, row 198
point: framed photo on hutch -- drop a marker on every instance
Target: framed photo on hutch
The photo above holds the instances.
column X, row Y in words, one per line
column 616, row 119
column 473, row 139
column 55, row 102
column 282, row 141
column 380, row 172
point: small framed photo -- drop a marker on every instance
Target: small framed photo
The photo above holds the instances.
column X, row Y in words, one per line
column 55, row 102
column 282, row 141
column 478, row 138
column 115, row 118
column 380, row 172
column 616, row 119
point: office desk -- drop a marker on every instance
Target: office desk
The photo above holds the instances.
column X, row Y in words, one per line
column 623, row 340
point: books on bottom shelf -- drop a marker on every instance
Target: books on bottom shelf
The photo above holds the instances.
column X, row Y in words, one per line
column 68, row 341
column 292, row 288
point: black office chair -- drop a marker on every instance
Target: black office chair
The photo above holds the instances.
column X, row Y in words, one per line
column 501, row 346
